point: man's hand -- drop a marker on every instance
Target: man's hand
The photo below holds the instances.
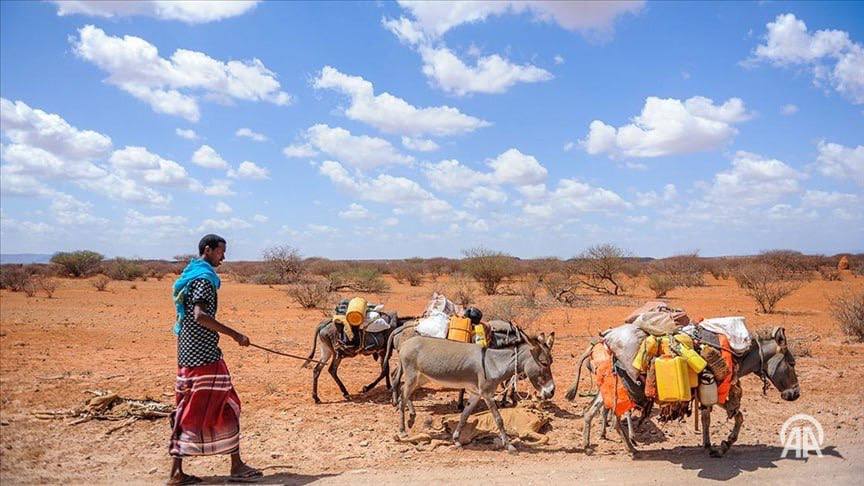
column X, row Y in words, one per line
column 241, row 339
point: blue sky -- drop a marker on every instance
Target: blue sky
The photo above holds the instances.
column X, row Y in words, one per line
column 390, row 130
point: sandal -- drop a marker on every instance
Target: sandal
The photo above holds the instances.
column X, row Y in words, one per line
column 184, row 480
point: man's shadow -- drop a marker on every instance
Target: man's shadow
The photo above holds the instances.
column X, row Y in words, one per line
column 286, row 478
column 740, row 458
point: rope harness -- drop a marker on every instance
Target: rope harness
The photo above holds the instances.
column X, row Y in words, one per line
column 287, row 355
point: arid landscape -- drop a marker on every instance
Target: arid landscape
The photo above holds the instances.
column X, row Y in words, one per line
column 55, row 351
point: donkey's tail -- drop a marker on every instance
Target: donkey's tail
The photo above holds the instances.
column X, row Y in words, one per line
column 571, row 392
column 318, row 329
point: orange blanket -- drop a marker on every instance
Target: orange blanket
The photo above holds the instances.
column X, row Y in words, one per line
column 615, row 396
column 724, row 386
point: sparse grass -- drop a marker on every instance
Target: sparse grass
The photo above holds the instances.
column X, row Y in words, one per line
column 311, row 294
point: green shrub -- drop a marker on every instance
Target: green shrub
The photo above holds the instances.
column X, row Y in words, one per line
column 81, row 263
column 123, row 269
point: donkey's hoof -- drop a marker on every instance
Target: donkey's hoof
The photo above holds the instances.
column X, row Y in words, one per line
column 347, row 398
column 715, row 452
column 316, row 400
column 365, row 389
column 511, row 449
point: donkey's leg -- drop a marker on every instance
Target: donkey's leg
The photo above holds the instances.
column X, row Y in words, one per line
column 412, row 381
column 466, row 412
column 380, row 377
column 460, row 402
column 334, row 367
column 733, row 436
column 397, row 385
column 706, row 426
column 589, row 416
column 404, row 396
column 630, row 433
column 489, row 398
column 326, row 352
column 645, row 414
column 604, row 421
column 626, row 438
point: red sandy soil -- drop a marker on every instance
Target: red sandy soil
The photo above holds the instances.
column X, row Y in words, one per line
column 52, row 351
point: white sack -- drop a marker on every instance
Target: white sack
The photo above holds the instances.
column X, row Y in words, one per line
column 734, row 328
column 624, row 342
column 433, row 325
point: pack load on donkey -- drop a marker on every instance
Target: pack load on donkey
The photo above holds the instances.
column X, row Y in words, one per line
column 660, row 357
column 359, row 322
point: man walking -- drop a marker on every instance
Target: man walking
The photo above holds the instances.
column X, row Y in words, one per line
column 207, row 418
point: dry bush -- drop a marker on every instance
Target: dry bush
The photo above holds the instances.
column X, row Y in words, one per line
column 830, row 274
column 29, row 287
column 800, row 348
column 409, row 270
column 323, row 266
column 790, row 264
column 81, row 263
column 157, row 269
column 718, row 268
column 123, row 269
column 764, row 284
column 310, row 294
column 508, row 309
column 460, row 290
column 685, row 270
column 15, row 277
column 529, row 289
column 358, row 278
column 48, row 285
column 557, row 284
column 600, row 268
column 632, row 267
column 488, row 267
column 100, row 282
column 283, row 261
column 661, row 283
column 848, row 310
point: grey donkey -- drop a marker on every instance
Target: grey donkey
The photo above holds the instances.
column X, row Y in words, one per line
column 479, row 371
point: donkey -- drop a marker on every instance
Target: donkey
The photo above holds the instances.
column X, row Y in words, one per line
column 328, row 333
column 768, row 358
column 408, row 331
column 480, row 371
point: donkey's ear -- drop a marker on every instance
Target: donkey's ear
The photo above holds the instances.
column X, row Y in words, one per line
column 550, row 340
column 779, row 335
column 541, row 337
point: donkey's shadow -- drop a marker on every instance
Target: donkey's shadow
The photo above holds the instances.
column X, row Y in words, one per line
column 739, row 459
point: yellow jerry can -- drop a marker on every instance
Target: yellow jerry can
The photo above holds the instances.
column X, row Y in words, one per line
column 647, row 351
column 460, row 329
column 673, row 379
column 356, row 311
column 694, row 361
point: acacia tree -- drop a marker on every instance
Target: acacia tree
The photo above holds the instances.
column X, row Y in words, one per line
column 285, row 262
column 600, row 267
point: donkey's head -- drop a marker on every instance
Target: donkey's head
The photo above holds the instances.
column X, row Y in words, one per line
column 778, row 365
column 539, row 367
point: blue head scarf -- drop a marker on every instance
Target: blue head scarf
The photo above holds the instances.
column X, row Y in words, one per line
column 197, row 268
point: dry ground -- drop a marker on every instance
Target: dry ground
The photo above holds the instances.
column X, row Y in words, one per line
column 54, row 350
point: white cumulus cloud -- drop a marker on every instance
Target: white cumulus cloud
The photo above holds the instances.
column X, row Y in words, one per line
column 753, row 180
column 833, row 57
column 359, row 151
column 186, row 133
column 249, row 170
column 841, row 162
column 248, row 133
column 419, row 144
column 669, row 127
column 490, row 74
column 392, row 114
column 206, row 156
column 172, row 86
column 188, row 11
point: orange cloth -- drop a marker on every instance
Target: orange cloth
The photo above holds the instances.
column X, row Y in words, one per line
column 724, row 386
column 615, row 396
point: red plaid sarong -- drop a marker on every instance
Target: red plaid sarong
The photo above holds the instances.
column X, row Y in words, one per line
column 207, row 418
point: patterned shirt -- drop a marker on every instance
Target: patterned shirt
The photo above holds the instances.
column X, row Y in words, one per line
column 197, row 345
